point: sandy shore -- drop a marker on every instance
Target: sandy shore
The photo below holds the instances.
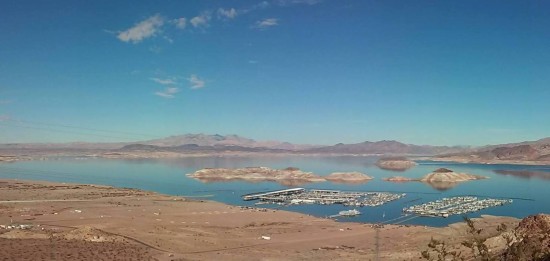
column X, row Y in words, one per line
column 88, row 222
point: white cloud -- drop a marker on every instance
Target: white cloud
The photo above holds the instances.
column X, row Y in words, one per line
column 269, row 22
column 167, row 81
column 196, row 82
column 168, row 39
column 228, row 14
column 262, row 5
column 180, row 22
column 3, row 102
column 201, row 20
column 169, row 92
column 4, row 117
column 142, row 30
column 252, row 61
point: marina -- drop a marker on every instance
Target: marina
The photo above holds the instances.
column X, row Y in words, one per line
column 298, row 196
column 454, row 206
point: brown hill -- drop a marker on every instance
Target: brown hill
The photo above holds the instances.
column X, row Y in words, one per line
column 534, row 152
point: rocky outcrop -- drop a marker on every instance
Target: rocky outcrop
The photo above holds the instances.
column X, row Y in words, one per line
column 396, row 164
column 532, row 239
column 348, row 177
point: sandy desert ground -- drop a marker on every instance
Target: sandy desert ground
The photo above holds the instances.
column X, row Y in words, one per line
column 89, row 222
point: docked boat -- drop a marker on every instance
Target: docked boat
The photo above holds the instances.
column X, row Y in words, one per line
column 349, row 213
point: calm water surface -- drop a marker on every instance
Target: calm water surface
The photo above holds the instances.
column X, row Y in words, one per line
column 531, row 194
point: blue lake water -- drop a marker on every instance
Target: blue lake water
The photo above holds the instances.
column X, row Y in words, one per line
column 531, row 194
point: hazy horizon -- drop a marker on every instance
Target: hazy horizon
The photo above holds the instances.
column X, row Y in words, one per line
column 301, row 71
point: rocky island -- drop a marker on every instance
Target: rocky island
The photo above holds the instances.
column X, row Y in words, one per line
column 447, row 175
column 348, row 177
column 255, row 174
column 440, row 179
column 288, row 176
column 395, row 163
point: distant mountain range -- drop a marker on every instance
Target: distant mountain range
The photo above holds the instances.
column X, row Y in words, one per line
column 203, row 143
column 385, row 147
column 220, row 140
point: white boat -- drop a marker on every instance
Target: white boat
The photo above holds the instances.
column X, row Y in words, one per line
column 351, row 212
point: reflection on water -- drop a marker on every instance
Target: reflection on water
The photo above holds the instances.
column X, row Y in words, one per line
column 441, row 186
column 527, row 174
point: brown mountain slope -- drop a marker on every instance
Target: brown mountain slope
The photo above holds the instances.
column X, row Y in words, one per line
column 534, row 152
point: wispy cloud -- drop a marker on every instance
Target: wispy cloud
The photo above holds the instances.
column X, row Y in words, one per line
column 266, row 23
column 227, row 13
column 142, row 30
column 4, row 117
column 258, row 6
column 180, row 23
column 4, row 102
column 297, row 2
column 167, row 81
column 169, row 92
column 252, row 61
column 201, row 20
column 196, row 82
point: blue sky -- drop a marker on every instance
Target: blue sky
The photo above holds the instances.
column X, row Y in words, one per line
column 304, row 71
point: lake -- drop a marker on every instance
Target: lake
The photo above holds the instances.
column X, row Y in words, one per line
column 529, row 186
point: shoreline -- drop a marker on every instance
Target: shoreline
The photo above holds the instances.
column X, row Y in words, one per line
column 203, row 229
column 10, row 157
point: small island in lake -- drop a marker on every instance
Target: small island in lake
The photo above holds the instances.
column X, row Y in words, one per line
column 288, row 176
column 348, row 177
column 395, row 163
column 255, row 174
column 440, row 179
column 447, row 175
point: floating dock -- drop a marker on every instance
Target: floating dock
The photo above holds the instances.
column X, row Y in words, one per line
column 284, row 192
